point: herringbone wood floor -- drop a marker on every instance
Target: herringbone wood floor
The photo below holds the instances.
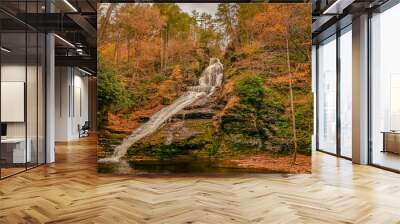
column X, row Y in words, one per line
column 70, row 191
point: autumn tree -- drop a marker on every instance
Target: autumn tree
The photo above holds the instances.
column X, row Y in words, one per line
column 152, row 48
column 227, row 17
column 177, row 26
column 287, row 26
column 104, row 21
column 137, row 22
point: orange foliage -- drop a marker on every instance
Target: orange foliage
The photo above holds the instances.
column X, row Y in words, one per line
column 177, row 73
column 146, row 55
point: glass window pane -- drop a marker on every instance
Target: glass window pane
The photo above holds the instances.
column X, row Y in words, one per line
column 13, row 86
column 327, row 95
column 385, row 84
column 346, row 92
column 22, row 88
column 41, row 98
column 31, row 97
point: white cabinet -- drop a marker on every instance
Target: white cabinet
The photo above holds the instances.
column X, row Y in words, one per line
column 19, row 155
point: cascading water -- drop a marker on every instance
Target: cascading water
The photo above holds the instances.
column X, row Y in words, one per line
column 209, row 80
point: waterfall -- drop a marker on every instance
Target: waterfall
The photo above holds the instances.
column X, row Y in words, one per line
column 208, row 81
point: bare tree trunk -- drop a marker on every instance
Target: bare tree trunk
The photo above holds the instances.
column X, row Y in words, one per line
column 104, row 23
column 166, row 47
column 291, row 102
column 116, row 49
column 161, row 51
column 129, row 48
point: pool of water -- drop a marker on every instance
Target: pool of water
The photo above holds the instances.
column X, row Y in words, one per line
column 172, row 167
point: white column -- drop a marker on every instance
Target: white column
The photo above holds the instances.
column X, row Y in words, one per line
column 314, row 92
column 360, row 90
column 50, row 99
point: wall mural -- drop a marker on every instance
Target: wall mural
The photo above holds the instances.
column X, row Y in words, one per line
column 195, row 88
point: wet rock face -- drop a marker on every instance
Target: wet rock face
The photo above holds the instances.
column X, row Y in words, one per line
column 245, row 128
column 240, row 130
column 178, row 132
column 200, row 113
column 181, row 136
column 239, row 121
column 144, row 119
column 239, row 142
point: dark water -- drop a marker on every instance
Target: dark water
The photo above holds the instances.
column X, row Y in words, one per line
column 197, row 166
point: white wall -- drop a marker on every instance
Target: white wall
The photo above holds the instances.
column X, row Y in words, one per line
column 71, row 102
column 12, row 73
column 62, row 81
column 314, row 91
column 33, row 126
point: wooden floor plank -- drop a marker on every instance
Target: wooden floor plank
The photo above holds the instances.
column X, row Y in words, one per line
column 71, row 191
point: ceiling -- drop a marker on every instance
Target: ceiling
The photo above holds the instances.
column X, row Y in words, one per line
column 332, row 15
column 73, row 21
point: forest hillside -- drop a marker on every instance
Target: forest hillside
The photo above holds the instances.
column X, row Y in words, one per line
column 149, row 54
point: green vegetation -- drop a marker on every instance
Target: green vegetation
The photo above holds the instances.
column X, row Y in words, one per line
column 251, row 90
column 111, row 94
column 164, row 152
column 106, row 168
